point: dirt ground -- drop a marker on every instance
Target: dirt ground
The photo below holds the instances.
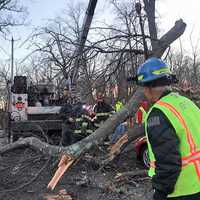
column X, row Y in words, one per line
column 25, row 173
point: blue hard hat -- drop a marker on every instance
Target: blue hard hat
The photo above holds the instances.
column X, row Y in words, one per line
column 153, row 69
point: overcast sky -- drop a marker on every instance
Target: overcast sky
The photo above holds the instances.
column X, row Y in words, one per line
column 188, row 10
column 169, row 11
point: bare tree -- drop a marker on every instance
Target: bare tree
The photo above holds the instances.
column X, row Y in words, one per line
column 11, row 14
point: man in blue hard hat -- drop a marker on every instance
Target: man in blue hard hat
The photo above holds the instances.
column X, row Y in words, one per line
column 173, row 135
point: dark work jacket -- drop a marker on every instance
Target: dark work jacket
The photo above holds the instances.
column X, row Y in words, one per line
column 165, row 146
column 103, row 112
column 65, row 112
column 83, row 125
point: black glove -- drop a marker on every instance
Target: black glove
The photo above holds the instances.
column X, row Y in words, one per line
column 158, row 195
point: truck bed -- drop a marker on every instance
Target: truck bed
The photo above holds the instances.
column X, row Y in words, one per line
column 30, row 125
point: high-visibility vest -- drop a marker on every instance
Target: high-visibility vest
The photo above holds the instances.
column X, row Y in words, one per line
column 184, row 116
column 118, row 106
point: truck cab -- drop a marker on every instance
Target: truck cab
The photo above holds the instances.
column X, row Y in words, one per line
column 34, row 111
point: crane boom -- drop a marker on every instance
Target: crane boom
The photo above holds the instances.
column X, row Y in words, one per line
column 83, row 36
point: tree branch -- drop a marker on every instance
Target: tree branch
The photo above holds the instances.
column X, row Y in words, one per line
column 167, row 39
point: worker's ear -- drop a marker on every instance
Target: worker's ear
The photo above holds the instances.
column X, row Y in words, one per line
column 146, row 89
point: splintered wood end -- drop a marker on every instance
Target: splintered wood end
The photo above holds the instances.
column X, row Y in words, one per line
column 65, row 162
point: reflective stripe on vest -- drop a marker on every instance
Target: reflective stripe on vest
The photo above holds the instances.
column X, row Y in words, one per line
column 84, row 124
column 79, row 119
column 102, row 114
column 194, row 157
column 87, row 117
column 80, row 132
column 77, row 131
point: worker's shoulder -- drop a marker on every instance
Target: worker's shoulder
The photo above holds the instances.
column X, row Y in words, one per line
column 156, row 118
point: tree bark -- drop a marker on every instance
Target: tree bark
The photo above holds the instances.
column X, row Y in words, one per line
column 168, row 38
